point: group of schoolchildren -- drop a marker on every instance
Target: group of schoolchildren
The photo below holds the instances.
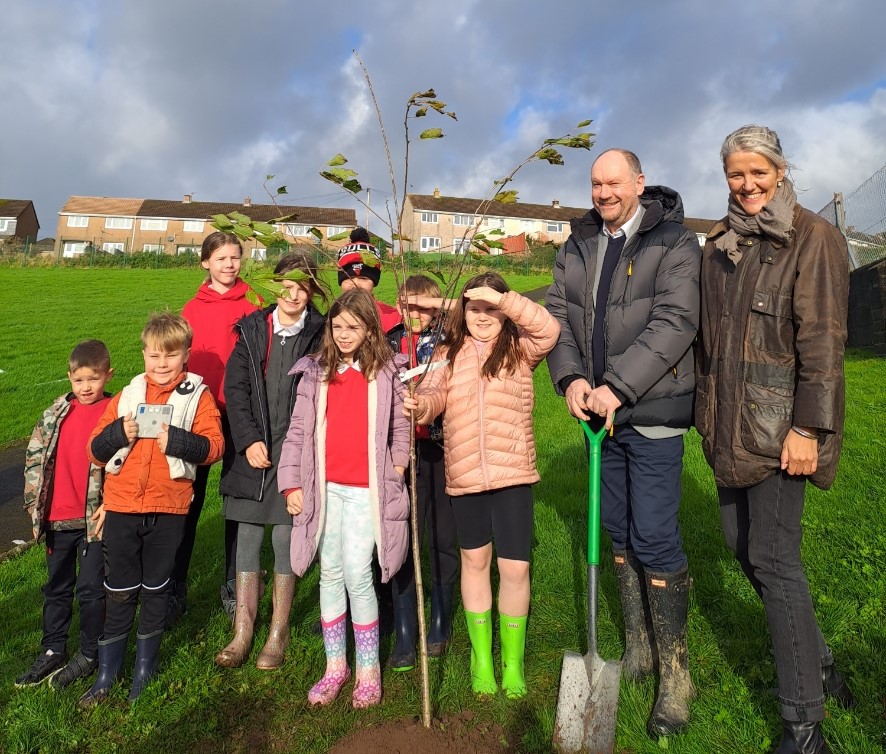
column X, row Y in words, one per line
column 310, row 416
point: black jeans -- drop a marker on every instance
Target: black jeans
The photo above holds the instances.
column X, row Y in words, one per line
column 761, row 525
column 71, row 562
column 435, row 517
column 640, row 497
column 139, row 557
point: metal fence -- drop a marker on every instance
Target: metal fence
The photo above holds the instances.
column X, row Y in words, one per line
column 861, row 217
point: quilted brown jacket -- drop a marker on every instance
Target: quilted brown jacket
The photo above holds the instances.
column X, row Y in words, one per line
column 488, row 442
column 773, row 333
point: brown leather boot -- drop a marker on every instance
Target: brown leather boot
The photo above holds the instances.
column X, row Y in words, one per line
column 271, row 656
column 247, row 589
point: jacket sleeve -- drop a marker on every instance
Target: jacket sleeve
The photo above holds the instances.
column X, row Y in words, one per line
column 820, row 302
column 434, row 388
column 35, row 456
column 672, row 325
column 107, row 437
column 207, row 426
column 398, row 435
column 538, row 328
column 289, row 474
column 564, row 359
column 238, row 399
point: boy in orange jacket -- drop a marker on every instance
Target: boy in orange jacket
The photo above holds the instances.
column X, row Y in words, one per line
column 149, row 476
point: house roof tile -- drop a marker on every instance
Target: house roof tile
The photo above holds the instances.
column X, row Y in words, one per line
column 260, row 212
column 13, row 207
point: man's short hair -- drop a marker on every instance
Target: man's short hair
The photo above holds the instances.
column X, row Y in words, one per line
column 167, row 332
column 92, row 354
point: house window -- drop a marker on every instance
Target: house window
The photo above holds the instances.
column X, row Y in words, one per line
column 152, row 224
column 153, row 248
column 429, row 217
column 461, row 246
column 334, row 230
column 260, row 253
column 119, row 223
column 494, row 222
column 554, row 227
column 188, row 250
column 528, row 226
column 4, row 224
column 193, row 226
column 430, row 242
column 73, row 248
column 462, row 220
column 113, row 248
column 78, row 221
column 297, row 230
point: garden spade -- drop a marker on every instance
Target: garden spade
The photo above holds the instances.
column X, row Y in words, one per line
column 588, row 701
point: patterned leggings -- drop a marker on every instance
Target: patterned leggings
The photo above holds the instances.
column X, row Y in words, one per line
column 346, row 548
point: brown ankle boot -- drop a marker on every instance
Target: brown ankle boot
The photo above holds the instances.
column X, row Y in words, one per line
column 247, row 588
column 271, row 656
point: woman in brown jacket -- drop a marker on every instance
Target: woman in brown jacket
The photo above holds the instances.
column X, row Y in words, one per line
column 769, row 403
column 497, row 337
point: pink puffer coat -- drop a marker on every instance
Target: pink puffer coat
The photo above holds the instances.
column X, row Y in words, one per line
column 487, row 428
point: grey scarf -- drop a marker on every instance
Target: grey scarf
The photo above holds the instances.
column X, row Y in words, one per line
column 775, row 220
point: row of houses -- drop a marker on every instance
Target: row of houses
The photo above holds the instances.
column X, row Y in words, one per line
column 432, row 223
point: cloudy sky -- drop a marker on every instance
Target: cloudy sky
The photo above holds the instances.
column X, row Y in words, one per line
column 162, row 98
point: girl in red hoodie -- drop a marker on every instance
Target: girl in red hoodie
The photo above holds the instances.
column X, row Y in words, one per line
column 219, row 304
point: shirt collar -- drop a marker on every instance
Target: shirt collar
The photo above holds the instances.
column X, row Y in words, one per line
column 293, row 329
column 630, row 227
column 343, row 367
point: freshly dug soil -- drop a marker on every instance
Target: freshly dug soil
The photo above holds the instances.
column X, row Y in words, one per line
column 452, row 734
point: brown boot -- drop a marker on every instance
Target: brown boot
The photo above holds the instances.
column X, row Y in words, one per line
column 247, row 588
column 271, row 656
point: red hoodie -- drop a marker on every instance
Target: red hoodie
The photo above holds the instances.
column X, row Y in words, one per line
column 212, row 316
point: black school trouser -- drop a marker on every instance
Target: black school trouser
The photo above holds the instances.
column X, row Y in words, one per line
column 139, row 558
column 435, row 517
column 72, row 562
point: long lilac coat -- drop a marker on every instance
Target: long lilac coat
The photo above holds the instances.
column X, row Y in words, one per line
column 303, row 464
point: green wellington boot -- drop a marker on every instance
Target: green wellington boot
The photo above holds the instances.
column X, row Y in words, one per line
column 482, row 672
column 513, row 645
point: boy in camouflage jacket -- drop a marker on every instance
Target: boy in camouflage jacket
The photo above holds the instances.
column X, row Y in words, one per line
column 63, row 498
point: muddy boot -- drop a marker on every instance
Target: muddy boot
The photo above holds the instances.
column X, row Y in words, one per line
column 482, row 672
column 835, row 687
column 235, row 654
column 638, row 661
column 110, row 664
column 147, row 654
column 405, row 631
column 440, row 630
column 668, row 605
column 512, row 631
column 802, row 738
column 271, row 656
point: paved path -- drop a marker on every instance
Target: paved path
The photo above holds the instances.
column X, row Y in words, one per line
column 14, row 522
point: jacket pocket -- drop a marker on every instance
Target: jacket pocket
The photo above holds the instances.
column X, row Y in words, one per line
column 770, row 326
column 765, row 420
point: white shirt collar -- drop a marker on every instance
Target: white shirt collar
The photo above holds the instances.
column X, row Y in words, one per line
column 630, row 227
column 294, row 329
column 342, row 367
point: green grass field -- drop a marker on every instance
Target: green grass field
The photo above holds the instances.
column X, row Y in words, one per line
column 194, row 706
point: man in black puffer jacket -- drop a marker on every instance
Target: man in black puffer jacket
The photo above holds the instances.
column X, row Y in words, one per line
column 626, row 295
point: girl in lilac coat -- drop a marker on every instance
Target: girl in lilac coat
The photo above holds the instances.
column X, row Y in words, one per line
column 341, row 471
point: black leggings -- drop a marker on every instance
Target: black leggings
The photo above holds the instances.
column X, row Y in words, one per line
column 504, row 516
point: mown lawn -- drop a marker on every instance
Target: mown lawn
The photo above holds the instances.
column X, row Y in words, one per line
column 194, row 706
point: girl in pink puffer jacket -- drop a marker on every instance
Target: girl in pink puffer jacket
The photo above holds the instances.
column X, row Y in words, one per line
column 497, row 337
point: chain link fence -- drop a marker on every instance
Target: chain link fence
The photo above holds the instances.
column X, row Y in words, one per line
column 861, row 217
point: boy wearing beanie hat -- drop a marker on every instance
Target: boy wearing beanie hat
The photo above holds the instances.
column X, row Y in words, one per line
column 359, row 266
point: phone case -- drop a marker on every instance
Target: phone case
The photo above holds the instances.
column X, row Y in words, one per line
column 150, row 417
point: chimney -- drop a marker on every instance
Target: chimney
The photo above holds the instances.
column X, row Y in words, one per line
column 187, row 199
column 436, row 193
column 555, row 204
column 247, row 202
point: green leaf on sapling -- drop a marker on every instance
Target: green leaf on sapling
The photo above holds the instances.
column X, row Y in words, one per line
column 339, row 159
column 222, row 222
column 431, row 133
column 506, row 197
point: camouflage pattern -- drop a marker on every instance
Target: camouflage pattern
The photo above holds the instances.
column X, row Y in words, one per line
column 40, row 466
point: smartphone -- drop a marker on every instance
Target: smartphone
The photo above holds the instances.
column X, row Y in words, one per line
column 149, row 417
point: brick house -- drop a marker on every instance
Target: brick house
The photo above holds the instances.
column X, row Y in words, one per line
column 117, row 225
column 18, row 220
